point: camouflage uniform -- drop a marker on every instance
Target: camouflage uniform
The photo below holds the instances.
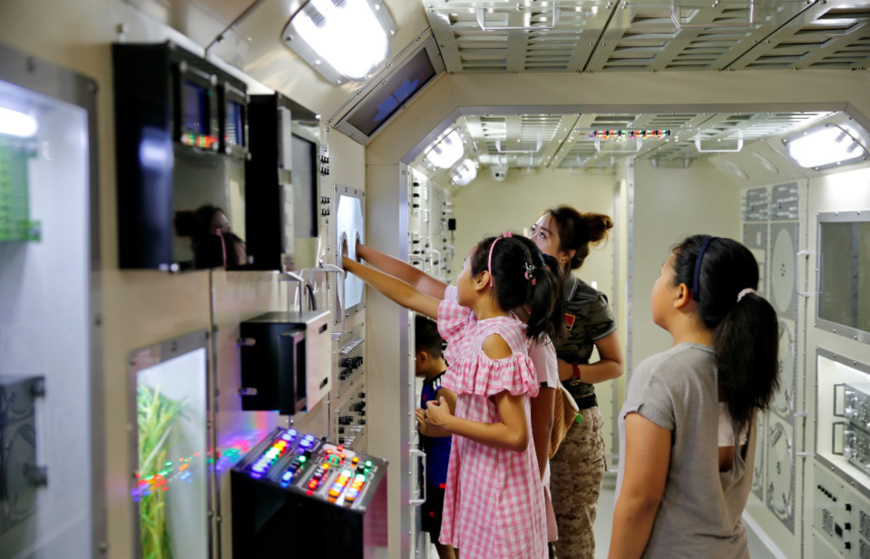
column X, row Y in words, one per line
column 578, row 467
column 577, row 471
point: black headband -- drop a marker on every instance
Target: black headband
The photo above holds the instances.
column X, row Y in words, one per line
column 697, row 278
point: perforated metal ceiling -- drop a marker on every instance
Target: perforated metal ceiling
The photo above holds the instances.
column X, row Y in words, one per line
column 640, row 35
column 567, row 141
column 650, row 35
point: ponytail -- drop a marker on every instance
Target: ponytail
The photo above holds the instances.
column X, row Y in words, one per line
column 522, row 282
column 722, row 275
column 747, row 347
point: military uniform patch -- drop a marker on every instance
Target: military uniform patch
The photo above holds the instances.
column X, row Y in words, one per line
column 569, row 321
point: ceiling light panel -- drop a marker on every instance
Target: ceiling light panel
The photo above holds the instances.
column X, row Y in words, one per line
column 825, row 147
column 343, row 41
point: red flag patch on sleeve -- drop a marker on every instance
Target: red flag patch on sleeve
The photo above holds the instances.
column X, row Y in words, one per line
column 569, row 321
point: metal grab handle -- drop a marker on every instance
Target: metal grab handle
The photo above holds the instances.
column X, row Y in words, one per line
column 834, row 436
column 701, row 150
column 838, row 385
column 332, row 268
column 436, row 271
column 481, row 21
column 291, row 276
column 416, row 452
column 677, row 19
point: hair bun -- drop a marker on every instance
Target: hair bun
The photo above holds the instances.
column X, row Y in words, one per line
column 597, row 226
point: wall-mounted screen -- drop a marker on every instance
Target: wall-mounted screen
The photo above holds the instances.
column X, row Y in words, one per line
column 844, row 274
column 398, row 88
column 194, row 107
column 390, row 94
column 235, row 134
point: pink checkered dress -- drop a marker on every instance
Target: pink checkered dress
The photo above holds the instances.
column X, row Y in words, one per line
column 494, row 504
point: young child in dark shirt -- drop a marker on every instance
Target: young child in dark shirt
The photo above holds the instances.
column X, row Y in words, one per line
column 430, row 364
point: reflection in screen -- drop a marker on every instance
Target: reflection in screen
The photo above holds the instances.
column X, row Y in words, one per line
column 172, row 480
column 844, row 280
column 386, row 100
column 235, row 126
column 194, row 108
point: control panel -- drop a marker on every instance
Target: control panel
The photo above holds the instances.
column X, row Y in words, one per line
column 856, row 433
column 841, row 515
column 292, row 460
column 833, row 512
column 292, row 489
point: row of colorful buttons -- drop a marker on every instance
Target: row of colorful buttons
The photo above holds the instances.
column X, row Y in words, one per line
column 269, row 457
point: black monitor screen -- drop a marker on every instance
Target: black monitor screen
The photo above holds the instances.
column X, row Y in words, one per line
column 235, row 124
column 194, row 107
column 386, row 100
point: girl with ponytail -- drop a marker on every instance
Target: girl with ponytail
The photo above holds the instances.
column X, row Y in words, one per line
column 680, row 491
column 494, row 501
column 579, row 463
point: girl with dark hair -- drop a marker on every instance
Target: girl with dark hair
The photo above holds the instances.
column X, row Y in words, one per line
column 579, row 464
column 679, row 494
column 542, row 354
column 494, row 503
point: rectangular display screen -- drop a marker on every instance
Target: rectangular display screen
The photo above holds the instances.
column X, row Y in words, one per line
column 235, row 124
column 377, row 108
column 844, row 273
column 194, row 108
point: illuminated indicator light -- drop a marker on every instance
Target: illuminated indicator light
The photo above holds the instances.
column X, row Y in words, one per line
column 360, row 477
column 302, row 458
column 325, row 466
column 340, row 448
column 368, row 463
column 287, row 476
column 355, row 459
column 334, row 492
column 341, row 456
column 312, row 484
column 309, row 493
column 329, row 451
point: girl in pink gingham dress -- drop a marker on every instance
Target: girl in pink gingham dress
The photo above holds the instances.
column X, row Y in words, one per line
column 494, row 505
column 494, row 495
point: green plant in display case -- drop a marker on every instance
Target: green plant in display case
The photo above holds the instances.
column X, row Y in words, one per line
column 15, row 223
column 157, row 416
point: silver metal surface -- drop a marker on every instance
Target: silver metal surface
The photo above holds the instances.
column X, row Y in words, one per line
column 37, row 75
column 784, row 399
column 780, row 472
column 783, row 268
column 851, row 271
column 349, row 230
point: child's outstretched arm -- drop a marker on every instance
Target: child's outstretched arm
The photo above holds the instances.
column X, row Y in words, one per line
column 417, row 278
column 394, row 288
column 510, row 433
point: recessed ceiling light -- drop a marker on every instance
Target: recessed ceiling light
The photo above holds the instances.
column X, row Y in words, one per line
column 735, row 169
column 765, row 162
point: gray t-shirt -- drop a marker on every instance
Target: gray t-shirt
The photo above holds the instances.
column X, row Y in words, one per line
column 700, row 512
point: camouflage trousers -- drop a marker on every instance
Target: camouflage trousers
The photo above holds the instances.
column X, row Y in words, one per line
column 577, row 471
